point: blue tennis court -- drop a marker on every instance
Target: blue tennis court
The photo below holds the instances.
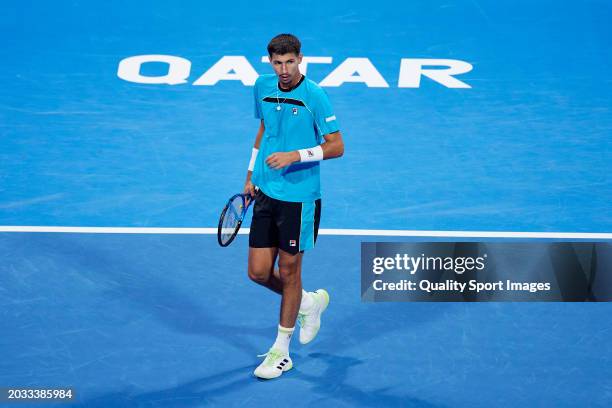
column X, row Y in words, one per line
column 167, row 318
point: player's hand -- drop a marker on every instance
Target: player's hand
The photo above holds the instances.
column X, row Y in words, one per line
column 282, row 159
column 249, row 189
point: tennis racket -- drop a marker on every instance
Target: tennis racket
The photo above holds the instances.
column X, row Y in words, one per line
column 231, row 218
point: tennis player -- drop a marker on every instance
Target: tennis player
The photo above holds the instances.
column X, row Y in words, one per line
column 297, row 130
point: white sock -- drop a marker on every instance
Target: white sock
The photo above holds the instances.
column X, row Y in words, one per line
column 282, row 339
column 307, row 301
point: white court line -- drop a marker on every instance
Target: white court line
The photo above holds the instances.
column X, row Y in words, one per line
column 359, row 232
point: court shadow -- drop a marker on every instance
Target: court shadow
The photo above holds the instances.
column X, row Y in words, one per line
column 123, row 278
column 332, row 385
column 367, row 322
column 331, row 388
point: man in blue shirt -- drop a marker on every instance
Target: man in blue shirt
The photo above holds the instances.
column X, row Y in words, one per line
column 297, row 130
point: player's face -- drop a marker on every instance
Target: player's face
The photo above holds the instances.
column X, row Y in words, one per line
column 286, row 67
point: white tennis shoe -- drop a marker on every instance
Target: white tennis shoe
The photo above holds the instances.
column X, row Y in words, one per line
column 310, row 321
column 274, row 365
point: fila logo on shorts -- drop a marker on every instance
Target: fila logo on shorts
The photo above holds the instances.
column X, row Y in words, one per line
column 292, row 243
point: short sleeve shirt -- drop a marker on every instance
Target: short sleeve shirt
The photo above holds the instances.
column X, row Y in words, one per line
column 293, row 120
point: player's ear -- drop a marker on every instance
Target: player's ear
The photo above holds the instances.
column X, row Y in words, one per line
column 299, row 58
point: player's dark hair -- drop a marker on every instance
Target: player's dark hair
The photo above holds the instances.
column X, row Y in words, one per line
column 284, row 44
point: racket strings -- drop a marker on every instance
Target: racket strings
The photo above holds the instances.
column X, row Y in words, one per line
column 231, row 219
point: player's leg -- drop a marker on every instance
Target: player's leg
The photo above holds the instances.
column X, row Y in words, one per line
column 263, row 272
column 290, row 271
column 263, row 244
column 313, row 303
column 298, row 225
column 261, row 268
column 277, row 358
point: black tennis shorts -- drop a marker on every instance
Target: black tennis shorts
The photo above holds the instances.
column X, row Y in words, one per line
column 292, row 227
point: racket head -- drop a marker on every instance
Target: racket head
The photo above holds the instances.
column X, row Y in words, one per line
column 231, row 219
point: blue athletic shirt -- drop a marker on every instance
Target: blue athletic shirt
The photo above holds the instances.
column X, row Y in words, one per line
column 293, row 120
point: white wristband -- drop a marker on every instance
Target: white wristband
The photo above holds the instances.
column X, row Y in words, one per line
column 311, row 154
column 253, row 157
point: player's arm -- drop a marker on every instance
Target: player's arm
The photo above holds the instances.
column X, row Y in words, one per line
column 333, row 146
column 331, row 149
column 249, row 188
column 260, row 133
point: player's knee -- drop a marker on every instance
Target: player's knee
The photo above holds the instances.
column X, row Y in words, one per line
column 258, row 275
column 287, row 271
